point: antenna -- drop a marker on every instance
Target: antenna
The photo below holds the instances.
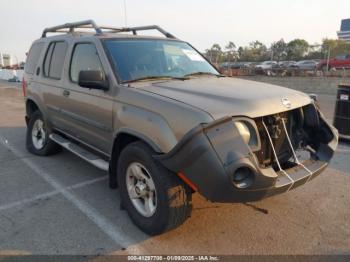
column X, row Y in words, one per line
column 125, row 15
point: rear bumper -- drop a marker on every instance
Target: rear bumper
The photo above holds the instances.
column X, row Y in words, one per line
column 210, row 154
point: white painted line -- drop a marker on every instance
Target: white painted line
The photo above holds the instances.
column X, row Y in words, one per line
column 343, row 149
column 50, row 194
column 115, row 232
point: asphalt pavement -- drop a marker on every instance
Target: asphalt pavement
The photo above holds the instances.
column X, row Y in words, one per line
column 62, row 205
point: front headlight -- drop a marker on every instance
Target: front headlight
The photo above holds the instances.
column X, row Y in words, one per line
column 248, row 131
column 243, row 131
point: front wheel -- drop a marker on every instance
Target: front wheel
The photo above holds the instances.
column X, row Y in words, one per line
column 155, row 198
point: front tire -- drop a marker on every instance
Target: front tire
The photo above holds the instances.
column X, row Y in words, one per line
column 37, row 138
column 155, row 198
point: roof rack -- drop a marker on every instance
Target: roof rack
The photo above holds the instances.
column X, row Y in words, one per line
column 69, row 28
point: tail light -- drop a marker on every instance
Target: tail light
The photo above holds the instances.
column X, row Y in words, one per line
column 24, row 86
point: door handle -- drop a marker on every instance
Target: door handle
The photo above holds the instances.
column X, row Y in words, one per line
column 66, row 93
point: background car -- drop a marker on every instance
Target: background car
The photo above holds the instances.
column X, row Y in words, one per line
column 305, row 65
column 341, row 61
column 14, row 79
column 247, row 64
column 230, row 65
column 266, row 65
column 235, row 65
column 286, row 64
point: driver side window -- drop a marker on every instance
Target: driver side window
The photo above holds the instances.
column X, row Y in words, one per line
column 84, row 58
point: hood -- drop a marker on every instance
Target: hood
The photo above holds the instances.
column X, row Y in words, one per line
column 227, row 96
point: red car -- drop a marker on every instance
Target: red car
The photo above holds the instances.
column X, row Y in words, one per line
column 341, row 61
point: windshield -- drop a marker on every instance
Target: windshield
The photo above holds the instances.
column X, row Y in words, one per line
column 137, row 59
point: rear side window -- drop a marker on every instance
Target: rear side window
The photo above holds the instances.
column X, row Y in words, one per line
column 84, row 57
column 48, row 59
column 54, row 59
column 33, row 57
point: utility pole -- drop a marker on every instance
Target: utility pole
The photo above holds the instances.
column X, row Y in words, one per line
column 328, row 57
column 271, row 58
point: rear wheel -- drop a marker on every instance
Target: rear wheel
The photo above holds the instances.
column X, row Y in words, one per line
column 155, row 198
column 37, row 139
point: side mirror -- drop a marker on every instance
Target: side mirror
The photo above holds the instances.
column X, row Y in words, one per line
column 93, row 80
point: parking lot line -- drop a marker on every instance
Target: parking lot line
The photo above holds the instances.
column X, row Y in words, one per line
column 343, row 149
column 114, row 232
column 50, row 194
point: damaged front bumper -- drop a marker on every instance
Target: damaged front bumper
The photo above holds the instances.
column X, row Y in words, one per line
column 210, row 154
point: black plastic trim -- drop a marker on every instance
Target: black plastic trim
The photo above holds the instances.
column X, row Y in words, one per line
column 209, row 154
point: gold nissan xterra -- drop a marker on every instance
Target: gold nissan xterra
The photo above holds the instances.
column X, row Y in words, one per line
column 158, row 116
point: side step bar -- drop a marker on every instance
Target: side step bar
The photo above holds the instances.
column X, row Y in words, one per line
column 81, row 152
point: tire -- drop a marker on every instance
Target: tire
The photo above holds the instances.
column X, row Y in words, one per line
column 40, row 144
column 172, row 199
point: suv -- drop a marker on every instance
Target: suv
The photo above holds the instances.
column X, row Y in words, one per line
column 160, row 118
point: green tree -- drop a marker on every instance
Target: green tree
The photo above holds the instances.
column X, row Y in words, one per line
column 230, row 52
column 279, row 50
column 315, row 52
column 240, row 52
column 256, row 51
column 214, row 54
column 297, row 49
column 336, row 47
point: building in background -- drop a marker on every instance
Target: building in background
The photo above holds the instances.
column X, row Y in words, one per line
column 5, row 60
column 344, row 33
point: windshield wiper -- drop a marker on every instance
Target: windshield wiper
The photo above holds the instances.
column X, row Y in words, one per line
column 203, row 73
column 155, row 77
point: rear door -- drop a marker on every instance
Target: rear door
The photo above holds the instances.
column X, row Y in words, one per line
column 51, row 81
column 88, row 111
column 32, row 62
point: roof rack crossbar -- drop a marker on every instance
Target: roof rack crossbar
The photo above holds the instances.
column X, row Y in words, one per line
column 71, row 26
column 91, row 24
column 149, row 27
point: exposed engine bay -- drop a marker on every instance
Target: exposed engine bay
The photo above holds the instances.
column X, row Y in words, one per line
column 306, row 132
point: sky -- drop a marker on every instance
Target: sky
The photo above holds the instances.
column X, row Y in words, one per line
column 200, row 22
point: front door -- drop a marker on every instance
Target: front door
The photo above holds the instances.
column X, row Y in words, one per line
column 89, row 111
